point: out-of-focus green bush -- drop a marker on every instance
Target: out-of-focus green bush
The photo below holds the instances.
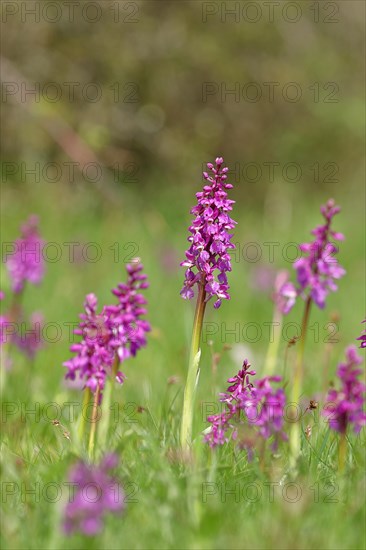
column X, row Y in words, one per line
column 160, row 102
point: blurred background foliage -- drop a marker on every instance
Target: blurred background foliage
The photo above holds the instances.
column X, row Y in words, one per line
column 157, row 117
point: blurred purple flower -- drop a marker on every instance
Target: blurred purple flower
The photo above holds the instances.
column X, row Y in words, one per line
column 346, row 406
column 210, row 239
column 286, row 298
column 30, row 341
column 96, row 493
column 363, row 337
column 285, row 293
column 258, row 402
column 27, row 263
column 117, row 331
column 318, row 269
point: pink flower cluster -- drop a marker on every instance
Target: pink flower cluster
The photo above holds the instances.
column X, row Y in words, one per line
column 208, row 259
column 318, row 269
column 115, row 334
column 26, row 262
column 345, row 406
column 96, row 494
column 255, row 403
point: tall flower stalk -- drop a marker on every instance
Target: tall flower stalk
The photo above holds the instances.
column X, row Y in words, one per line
column 108, row 339
column 132, row 330
column 207, row 262
column 94, row 420
column 25, row 265
column 193, row 369
column 317, row 271
column 295, row 435
column 284, row 297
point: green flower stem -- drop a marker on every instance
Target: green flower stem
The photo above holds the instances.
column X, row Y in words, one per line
column 13, row 316
column 342, row 453
column 272, row 352
column 106, row 404
column 82, row 420
column 193, row 370
column 94, row 420
column 295, row 433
